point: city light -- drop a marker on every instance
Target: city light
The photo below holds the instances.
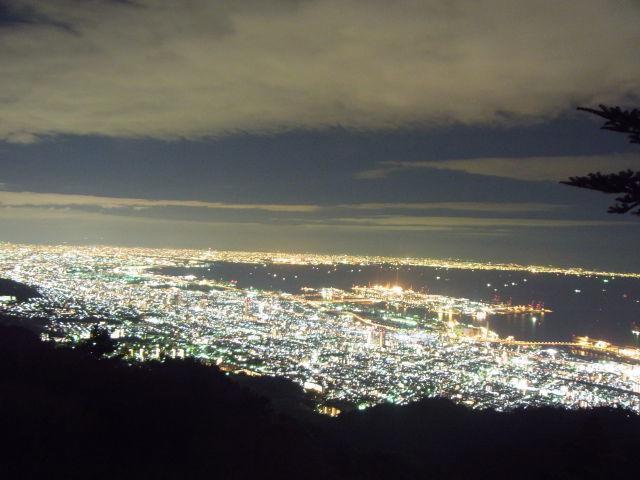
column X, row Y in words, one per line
column 364, row 345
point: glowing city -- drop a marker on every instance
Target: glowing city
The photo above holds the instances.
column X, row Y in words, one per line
column 358, row 346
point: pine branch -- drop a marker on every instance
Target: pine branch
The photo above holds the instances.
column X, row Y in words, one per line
column 625, row 183
column 618, row 120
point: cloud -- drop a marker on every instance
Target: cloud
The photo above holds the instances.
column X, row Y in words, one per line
column 525, row 168
column 407, row 222
column 33, row 199
column 461, row 206
column 59, row 200
column 16, row 13
column 156, row 68
column 479, row 216
column 53, row 213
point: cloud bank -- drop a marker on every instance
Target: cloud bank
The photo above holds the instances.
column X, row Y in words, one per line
column 373, row 216
column 553, row 168
column 60, row 200
column 35, row 199
column 192, row 69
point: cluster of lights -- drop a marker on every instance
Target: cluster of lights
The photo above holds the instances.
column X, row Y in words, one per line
column 364, row 346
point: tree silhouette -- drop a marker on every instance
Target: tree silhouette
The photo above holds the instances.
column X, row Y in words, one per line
column 625, row 183
column 618, row 120
column 99, row 342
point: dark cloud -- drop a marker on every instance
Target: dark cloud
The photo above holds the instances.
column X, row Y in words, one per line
column 15, row 14
column 552, row 168
column 401, row 128
column 376, row 216
column 467, row 238
column 193, row 69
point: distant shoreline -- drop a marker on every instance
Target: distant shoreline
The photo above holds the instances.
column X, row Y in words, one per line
column 208, row 255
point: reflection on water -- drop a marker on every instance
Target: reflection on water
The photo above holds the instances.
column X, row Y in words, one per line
column 594, row 306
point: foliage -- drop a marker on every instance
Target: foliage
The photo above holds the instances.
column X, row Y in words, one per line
column 618, row 120
column 625, row 183
column 99, row 342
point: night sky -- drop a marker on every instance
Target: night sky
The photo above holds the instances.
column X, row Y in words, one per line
column 421, row 128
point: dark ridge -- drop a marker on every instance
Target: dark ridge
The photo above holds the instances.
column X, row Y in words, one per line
column 19, row 290
column 67, row 414
column 64, row 414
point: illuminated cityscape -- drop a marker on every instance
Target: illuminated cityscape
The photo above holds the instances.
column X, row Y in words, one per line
column 319, row 239
column 358, row 346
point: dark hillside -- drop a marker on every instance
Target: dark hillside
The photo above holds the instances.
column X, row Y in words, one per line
column 19, row 290
column 65, row 414
column 452, row 441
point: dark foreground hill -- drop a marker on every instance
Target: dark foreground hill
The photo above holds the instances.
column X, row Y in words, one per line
column 21, row 291
column 64, row 414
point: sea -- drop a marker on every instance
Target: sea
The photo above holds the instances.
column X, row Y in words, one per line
column 605, row 308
